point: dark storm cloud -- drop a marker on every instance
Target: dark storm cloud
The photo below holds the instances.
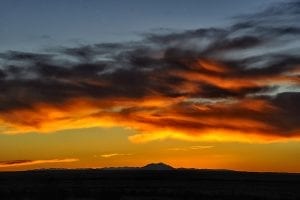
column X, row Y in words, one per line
column 211, row 91
column 252, row 66
column 288, row 115
column 23, row 56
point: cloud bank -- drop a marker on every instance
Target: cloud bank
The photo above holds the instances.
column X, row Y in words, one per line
column 239, row 83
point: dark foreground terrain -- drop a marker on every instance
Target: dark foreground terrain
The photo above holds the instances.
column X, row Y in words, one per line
column 146, row 184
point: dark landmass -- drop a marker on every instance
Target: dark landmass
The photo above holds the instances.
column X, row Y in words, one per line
column 153, row 181
column 157, row 166
column 151, row 166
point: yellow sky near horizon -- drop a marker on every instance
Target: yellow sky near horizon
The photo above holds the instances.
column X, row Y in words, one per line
column 110, row 147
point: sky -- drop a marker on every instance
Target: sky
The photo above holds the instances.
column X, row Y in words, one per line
column 91, row 84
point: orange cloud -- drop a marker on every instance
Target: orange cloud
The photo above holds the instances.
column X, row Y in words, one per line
column 210, row 65
column 156, row 120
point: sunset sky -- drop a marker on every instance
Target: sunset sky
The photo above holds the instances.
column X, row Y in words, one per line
column 192, row 83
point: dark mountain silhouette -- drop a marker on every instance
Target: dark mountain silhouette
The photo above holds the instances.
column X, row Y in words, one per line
column 151, row 166
column 157, row 166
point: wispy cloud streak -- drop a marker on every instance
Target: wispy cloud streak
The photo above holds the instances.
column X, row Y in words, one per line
column 198, row 147
column 114, row 155
column 16, row 163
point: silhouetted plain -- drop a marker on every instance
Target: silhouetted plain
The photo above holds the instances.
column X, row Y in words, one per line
column 148, row 184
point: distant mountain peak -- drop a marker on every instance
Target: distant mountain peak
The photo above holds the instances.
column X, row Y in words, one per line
column 157, row 166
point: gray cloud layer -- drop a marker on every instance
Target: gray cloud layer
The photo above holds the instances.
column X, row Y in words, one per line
column 256, row 59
